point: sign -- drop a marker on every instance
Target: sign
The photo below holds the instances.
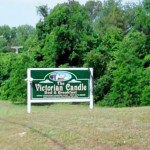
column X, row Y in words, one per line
column 59, row 85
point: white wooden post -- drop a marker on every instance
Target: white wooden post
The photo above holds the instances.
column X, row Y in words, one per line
column 91, row 88
column 28, row 91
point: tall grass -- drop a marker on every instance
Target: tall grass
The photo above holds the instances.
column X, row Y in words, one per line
column 69, row 127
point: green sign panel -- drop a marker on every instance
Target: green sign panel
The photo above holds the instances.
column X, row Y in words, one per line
column 57, row 84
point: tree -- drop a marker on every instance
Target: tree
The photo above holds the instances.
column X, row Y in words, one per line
column 16, row 37
column 14, row 88
column 43, row 11
column 111, row 14
column 6, row 60
column 126, row 86
column 24, row 33
column 5, row 33
column 93, row 8
column 142, row 23
column 65, row 34
column 112, row 38
column 96, row 60
column 102, row 61
column 3, row 44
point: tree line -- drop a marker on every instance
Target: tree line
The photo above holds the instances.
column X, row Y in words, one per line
column 111, row 37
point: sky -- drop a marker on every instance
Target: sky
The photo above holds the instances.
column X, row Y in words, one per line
column 20, row 12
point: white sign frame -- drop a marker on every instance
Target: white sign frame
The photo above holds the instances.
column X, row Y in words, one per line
column 52, row 100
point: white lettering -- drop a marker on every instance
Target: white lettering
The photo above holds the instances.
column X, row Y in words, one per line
column 40, row 87
column 80, row 87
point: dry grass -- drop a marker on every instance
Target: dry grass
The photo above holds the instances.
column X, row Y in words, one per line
column 73, row 127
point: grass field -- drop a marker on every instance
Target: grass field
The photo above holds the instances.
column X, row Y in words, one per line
column 73, row 127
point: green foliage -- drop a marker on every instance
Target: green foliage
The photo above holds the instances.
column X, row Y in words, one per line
column 126, row 86
column 16, row 37
column 93, row 8
column 108, row 36
column 24, row 34
column 42, row 10
column 102, row 87
column 14, row 88
column 109, row 41
column 66, row 36
column 142, row 17
column 145, row 100
column 3, row 44
column 5, row 32
column 111, row 14
column 97, row 61
column 6, row 61
column 5, row 37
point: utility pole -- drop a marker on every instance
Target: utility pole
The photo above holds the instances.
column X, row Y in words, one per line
column 17, row 48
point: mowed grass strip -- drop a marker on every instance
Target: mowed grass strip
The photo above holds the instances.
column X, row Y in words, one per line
column 69, row 127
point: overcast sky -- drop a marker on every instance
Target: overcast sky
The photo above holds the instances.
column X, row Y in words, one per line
column 21, row 12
